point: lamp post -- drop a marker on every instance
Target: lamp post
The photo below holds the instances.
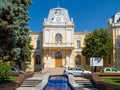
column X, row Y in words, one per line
column 93, row 53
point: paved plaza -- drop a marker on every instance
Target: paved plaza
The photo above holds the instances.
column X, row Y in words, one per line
column 30, row 83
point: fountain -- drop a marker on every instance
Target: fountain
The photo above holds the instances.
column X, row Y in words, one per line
column 58, row 82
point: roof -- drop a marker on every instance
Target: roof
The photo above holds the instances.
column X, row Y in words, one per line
column 58, row 16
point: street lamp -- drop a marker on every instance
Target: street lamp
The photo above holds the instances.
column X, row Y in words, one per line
column 93, row 53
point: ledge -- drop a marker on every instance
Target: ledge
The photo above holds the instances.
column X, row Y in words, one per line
column 73, row 84
column 42, row 85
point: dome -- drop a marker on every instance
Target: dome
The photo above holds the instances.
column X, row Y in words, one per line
column 58, row 15
column 114, row 19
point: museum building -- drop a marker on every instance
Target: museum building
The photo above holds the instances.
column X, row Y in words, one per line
column 58, row 45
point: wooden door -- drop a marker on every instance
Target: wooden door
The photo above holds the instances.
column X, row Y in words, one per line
column 58, row 62
column 58, row 59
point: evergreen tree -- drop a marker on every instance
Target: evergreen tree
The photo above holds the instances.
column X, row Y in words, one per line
column 14, row 35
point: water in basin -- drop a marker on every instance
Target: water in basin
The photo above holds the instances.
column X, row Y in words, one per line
column 58, row 82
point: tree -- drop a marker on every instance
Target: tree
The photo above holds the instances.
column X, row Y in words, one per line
column 14, row 34
column 97, row 44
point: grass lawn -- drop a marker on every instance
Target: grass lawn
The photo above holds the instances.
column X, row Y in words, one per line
column 12, row 78
column 111, row 80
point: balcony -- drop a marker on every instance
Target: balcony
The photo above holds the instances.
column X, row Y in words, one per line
column 58, row 45
column 78, row 49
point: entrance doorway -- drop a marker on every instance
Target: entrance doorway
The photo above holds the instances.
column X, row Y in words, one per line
column 58, row 59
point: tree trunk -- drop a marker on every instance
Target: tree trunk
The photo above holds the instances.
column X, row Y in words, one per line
column 19, row 65
column 95, row 69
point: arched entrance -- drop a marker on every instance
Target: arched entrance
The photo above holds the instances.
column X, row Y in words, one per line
column 58, row 59
column 37, row 60
column 37, row 66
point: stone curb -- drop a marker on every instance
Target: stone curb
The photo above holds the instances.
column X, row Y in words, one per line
column 72, row 82
column 44, row 82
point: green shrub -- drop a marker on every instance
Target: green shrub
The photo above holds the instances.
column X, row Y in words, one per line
column 5, row 70
column 86, row 67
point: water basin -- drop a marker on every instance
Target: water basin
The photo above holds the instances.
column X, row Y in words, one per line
column 58, row 82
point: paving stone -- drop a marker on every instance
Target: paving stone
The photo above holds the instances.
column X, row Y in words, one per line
column 30, row 83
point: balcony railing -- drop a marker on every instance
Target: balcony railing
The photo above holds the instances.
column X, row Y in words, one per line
column 58, row 45
column 78, row 49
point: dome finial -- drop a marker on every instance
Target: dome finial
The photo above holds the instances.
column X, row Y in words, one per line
column 58, row 2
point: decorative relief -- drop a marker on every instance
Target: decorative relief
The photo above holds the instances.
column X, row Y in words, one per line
column 58, row 16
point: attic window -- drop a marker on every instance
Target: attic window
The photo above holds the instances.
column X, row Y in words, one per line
column 58, row 11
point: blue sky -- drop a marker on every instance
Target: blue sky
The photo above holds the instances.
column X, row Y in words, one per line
column 87, row 14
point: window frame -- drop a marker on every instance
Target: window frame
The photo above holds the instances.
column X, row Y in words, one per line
column 78, row 44
column 58, row 38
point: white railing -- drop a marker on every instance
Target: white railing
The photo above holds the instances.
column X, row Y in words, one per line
column 78, row 49
column 58, row 45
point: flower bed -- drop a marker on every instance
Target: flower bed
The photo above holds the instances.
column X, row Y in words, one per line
column 103, row 85
column 16, row 83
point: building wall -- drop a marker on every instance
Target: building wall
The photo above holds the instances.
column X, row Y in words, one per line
column 114, row 31
column 49, row 53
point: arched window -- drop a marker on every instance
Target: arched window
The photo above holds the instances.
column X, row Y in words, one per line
column 38, row 60
column 78, row 60
column 58, row 38
column 38, row 44
column 58, row 54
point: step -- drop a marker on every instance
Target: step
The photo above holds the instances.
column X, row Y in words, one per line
column 30, row 83
column 35, row 83
column 32, row 80
column 84, row 81
column 28, row 86
column 88, row 86
column 90, row 89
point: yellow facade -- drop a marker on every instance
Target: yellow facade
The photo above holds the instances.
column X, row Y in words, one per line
column 114, row 31
column 58, row 45
column 47, row 52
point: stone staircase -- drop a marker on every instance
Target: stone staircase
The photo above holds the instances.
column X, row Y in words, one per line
column 85, row 84
column 30, row 83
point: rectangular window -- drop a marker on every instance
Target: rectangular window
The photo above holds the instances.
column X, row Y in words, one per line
column 78, row 44
column 118, row 41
